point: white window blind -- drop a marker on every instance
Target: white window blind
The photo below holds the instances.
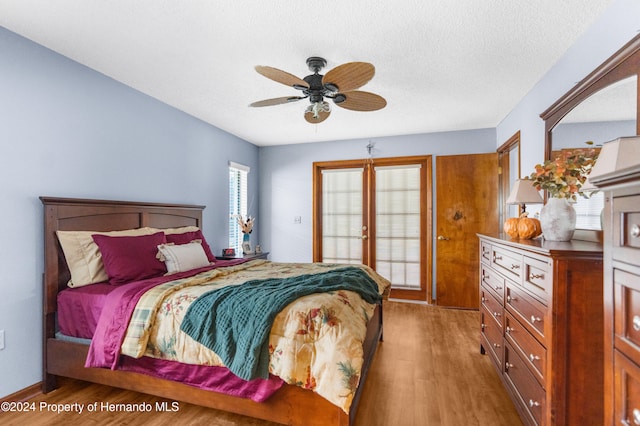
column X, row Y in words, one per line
column 342, row 216
column 238, row 176
column 588, row 211
column 398, row 225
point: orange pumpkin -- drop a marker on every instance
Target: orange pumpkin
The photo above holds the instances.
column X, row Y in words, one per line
column 523, row 227
column 511, row 227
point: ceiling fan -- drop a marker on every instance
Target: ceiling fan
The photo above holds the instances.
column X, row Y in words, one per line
column 339, row 84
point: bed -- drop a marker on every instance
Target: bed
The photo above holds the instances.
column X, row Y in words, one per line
column 289, row 404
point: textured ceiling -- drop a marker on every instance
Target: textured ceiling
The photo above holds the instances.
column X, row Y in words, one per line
column 441, row 65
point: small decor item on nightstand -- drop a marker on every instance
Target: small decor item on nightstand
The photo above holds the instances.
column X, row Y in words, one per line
column 563, row 178
column 258, row 249
column 229, row 252
column 246, row 226
column 246, row 244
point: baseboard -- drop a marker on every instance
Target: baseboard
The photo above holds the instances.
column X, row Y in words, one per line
column 24, row 394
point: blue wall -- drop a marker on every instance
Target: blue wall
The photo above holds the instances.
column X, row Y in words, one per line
column 68, row 131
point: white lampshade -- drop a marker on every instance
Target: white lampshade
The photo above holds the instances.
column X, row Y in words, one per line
column 616, row 155
column 524, row 192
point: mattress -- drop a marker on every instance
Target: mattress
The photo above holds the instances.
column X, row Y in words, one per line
column 79, row 309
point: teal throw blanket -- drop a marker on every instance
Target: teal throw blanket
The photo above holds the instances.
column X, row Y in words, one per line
column 235, row 321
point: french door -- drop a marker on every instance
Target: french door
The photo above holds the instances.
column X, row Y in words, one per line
column 376, row 212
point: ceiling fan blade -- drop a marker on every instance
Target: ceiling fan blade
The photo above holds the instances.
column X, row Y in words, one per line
column 322, row 115
column 281, row 76
column 276, row 101
column 362, row 101
column 349, row 76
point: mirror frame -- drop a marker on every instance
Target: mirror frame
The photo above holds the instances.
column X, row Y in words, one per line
column 622, row 64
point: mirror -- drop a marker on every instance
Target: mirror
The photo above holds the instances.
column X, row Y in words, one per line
column 601, row 107
column 603, row 116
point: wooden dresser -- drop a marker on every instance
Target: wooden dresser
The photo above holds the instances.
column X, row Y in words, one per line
column 542, row 326
column 622, row 296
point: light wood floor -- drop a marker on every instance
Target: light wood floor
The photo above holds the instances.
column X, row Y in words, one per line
column 428, row 371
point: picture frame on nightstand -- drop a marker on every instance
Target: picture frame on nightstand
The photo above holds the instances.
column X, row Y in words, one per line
column 246, row 247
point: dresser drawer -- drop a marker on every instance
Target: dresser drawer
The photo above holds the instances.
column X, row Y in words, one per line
column 493, row 281
column 626, row 226
column 528, row 310
column 534, row 354
column 492, row 334
column 490, row 303
column 508, row 262
column 627, row 313
column 626, row 390
column 537, row 278
column 485, row 252
column 531, row 394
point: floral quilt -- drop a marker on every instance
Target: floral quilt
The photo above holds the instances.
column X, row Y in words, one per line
column 316, row 342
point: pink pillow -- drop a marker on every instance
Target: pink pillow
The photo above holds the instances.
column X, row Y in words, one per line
column 187, row 237
column 131, row 258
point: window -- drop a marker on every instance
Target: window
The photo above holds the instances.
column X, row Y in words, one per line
column 588, row 211
column 238, row 175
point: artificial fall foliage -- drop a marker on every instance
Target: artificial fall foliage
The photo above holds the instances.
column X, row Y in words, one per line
column 564, row 176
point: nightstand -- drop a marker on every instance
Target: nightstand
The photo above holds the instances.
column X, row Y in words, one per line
column 262, row 255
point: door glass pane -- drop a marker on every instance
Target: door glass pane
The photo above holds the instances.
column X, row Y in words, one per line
column 342, row 216
column 398, row 225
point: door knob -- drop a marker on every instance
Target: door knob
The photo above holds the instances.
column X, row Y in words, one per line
column 364, row 237
column 443, row 238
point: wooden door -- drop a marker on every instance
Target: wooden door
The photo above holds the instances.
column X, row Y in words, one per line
column 466, row 204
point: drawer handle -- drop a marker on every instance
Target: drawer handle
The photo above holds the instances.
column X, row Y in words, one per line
column 497, row 257
column 515, row 266
column 482, row 327
column 635, row 233
column 508, row 330
column 497, row 314
column 536, row 276
column 482, row 299
column 495, row 345
column 636, row 323
column 533, row 357
column 507, row 366
column 498, row 288
column 535, row 319
column 636, row 416
column 533, row 403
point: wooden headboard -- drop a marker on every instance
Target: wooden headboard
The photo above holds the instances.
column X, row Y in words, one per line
column 69, row 214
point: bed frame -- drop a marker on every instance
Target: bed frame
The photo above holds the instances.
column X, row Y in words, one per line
column 289, row 405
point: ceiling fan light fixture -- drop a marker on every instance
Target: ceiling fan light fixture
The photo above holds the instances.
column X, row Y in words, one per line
column 317, row 107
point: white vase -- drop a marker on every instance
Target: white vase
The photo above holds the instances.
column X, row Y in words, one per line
column 558, row 220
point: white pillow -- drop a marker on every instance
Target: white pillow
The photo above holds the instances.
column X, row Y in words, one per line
column 182, row 257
